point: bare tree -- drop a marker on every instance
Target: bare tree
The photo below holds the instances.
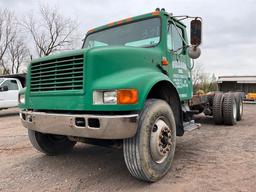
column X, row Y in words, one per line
column 203, row 81
column 52, row 32
column 18, row 54
column 7, row 34
column 197, row 74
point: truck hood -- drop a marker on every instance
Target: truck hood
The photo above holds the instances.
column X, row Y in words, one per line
column 60, row 55
column 105, row 61
column 109, row 54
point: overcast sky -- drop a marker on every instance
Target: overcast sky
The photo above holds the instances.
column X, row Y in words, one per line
column 229, row 26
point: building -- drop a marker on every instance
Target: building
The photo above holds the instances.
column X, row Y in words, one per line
column 245, row 84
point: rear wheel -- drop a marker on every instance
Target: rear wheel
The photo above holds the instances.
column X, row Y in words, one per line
column 149, row 154
column 239, row 102
column 217, row 108
column 50, row 144
column 229, row 109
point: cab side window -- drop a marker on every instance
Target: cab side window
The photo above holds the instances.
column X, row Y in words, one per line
column 174, row 40
column 11, row 84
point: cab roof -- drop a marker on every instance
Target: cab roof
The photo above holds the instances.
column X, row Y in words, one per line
column 130, row 19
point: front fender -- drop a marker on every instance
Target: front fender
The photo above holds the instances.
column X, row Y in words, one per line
column 142, row 79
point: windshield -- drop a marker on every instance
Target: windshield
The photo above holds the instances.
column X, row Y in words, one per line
column 144, row 33
column 1, row 80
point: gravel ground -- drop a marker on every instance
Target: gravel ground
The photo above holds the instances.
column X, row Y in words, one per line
column 212, row 158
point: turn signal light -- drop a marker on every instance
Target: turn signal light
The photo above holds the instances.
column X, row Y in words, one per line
column 127, row 96
column 164, row 61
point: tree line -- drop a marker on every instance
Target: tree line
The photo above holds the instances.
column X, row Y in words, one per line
column 33, row 36
column 203, row 82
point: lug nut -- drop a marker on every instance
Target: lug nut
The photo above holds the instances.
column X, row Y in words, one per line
column 155, row 128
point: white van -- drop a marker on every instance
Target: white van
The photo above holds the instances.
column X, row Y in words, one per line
column 9, row 91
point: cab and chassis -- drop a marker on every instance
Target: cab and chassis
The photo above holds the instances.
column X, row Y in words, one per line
column 130, row 84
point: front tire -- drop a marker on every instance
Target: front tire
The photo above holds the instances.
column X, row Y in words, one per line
column 50, row 144
column 149, row 154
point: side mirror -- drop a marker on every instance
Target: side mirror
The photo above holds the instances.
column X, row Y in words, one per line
column 196, row 32
column 4, row 88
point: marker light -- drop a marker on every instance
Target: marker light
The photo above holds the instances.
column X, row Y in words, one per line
column 127, row 96
column 164, row 61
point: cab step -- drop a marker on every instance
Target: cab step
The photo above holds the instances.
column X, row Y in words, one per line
column 191, row 125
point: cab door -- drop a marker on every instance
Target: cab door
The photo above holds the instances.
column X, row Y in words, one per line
column 9, row 98
column 180, row 71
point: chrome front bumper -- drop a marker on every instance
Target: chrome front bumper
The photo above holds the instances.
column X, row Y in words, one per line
column 93, row 126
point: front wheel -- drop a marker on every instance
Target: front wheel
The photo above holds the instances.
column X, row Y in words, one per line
column 50, row 144
column 149, row 154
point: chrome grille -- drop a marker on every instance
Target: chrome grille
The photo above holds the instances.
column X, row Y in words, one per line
column 59, row 74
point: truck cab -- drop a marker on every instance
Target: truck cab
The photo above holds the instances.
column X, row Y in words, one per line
column 129, row 84
column 9, row 92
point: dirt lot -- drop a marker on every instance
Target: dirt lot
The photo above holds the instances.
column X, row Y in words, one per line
column 212, row 158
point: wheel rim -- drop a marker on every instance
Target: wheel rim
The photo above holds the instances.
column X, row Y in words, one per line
column 160, row 141
column 234, row 110
column 241, row 109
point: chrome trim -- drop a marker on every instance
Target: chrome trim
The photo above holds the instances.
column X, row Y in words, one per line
column 111, row 126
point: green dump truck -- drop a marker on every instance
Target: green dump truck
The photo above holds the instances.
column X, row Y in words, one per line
column 129, row 85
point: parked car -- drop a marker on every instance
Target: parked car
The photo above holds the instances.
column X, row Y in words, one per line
column 9, row 92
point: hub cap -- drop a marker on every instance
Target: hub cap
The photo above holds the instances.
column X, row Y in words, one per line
column 160, row 141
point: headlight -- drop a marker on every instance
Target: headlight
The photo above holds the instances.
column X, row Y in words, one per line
column 22, row 98
column 109, row 97
column 122, row 96
column 104, row 97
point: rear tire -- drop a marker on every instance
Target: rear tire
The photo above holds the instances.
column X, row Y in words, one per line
column 217, row 108
column 149, row 154
column 50, row 144
column 240, row 108
column 229, row 109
